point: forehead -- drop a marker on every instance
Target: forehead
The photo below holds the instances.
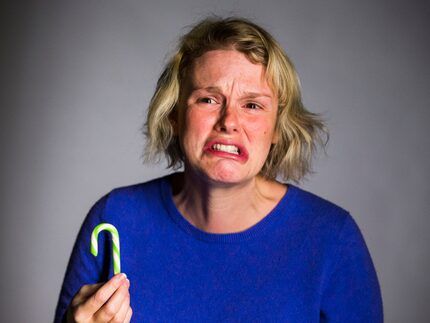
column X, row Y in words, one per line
column 223, row 67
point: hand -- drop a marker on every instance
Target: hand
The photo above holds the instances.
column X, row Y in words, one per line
column 103, row 302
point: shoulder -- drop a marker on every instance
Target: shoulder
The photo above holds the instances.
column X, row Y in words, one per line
column 130, row 200
column 314, row 207
column 308, row 201
column 321, row 218
column 151, row 190
column 331, row 231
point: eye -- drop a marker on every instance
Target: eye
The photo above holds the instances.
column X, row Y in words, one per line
column 207, row 100
column 252, row 106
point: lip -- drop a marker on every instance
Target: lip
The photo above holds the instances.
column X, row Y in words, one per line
column 243, row 152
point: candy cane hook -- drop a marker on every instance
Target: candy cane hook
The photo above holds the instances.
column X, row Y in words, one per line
column 115, row 244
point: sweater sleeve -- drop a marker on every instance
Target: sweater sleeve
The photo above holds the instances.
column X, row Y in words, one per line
column 83, row 268
column 352, row 293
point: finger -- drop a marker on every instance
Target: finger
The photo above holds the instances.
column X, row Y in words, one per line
column 102, row 295
column 112, row 307
column 84, row 293
column 74, row 312
column 128, row 315
column 125, row 304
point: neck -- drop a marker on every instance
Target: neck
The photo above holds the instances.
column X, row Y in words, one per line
column 222, row 208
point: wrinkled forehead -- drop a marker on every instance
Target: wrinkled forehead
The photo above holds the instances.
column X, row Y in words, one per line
column 226, row 64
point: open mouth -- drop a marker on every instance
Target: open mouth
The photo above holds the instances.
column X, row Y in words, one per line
column 226, row 148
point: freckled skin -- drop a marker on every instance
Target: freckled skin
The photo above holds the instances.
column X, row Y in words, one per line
column 227, row 99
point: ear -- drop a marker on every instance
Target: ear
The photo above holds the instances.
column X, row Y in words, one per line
column 275, row 137
column 173, row 118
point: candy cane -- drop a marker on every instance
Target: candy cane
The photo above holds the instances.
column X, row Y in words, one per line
column 115, row 244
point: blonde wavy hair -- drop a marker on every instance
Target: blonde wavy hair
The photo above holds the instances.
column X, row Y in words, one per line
column 299, row 131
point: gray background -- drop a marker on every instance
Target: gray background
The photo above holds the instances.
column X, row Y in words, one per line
column 76, row 77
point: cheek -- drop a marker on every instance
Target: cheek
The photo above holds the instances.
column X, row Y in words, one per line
column 199, row 120
column 261, row 128
column 196, row 126
column 262, row 134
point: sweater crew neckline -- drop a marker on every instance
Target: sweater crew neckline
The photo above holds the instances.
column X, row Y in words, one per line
column 275, row 216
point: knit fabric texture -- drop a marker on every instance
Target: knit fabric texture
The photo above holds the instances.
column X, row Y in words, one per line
column 305, row 261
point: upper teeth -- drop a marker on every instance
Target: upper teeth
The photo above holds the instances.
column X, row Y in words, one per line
column 226, row 148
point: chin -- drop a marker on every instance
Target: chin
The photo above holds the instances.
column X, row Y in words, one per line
column 222, row 172
column 227, row 176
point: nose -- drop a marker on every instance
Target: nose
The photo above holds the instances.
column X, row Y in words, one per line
column 228, row 119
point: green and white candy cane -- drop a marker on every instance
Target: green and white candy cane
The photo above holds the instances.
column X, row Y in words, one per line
column 115, row 244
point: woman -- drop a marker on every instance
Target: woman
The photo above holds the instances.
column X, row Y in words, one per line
column 224, row 241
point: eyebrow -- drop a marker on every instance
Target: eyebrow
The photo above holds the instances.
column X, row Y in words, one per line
column 246, row 94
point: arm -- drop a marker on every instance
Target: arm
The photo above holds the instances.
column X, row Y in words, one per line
column 352, row 292
column 82, row 291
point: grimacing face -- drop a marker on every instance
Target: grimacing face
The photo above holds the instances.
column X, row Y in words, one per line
column 226, row 117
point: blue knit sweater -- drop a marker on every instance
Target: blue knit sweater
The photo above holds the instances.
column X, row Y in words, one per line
column 306, row 261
